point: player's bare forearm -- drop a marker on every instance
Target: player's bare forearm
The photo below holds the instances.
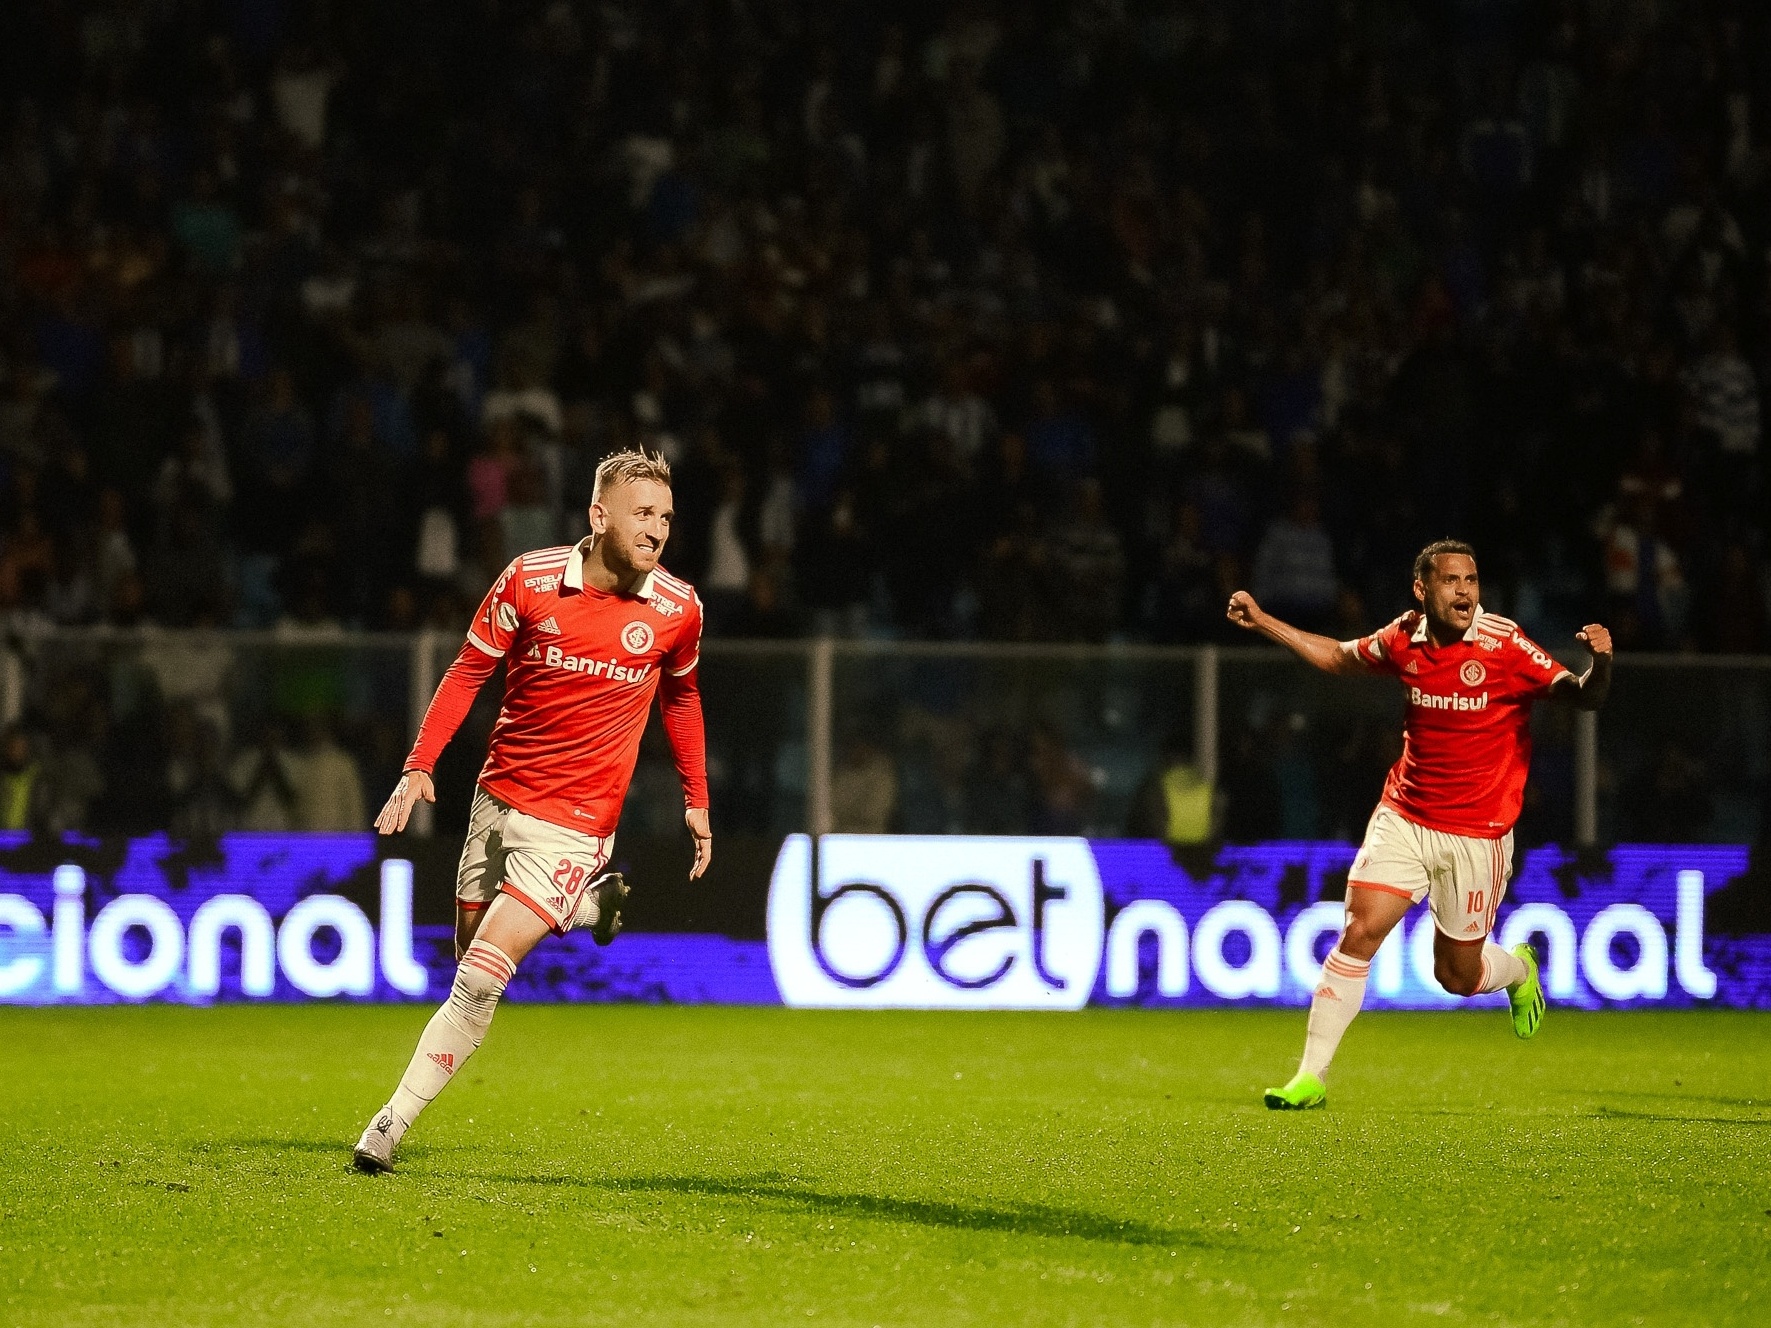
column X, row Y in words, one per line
column 1588, row 692
column 1320, row 652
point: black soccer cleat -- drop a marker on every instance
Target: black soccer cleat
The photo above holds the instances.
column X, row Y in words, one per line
column 610, row 892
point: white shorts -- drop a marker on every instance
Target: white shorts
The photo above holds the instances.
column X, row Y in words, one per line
column 1463, row 879
column 537, row 863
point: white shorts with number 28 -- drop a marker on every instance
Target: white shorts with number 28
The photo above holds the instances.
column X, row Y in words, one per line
column 545, row 866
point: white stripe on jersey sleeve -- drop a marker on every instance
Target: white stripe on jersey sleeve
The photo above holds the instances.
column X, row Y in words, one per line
column 493, row 651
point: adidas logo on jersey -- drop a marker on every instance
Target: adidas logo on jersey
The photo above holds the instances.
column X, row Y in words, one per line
column 548, row 624
column 445, row 1059
column 1411, row 667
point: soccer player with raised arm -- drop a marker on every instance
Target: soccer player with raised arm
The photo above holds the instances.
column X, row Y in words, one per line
column 589, row 634
column 1443, row 830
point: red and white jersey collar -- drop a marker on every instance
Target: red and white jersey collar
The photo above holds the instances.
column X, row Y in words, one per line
column 574, row 574
column 1419, row 636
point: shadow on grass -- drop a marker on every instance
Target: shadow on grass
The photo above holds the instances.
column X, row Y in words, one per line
column 1613, row 1113
column 1700, row 1097
column 770, row 1187
column 270, row 1145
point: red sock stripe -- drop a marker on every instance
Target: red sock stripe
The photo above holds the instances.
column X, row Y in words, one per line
column 1345, row 968
column 491, row 954
column 475, row 962
column 490, row 959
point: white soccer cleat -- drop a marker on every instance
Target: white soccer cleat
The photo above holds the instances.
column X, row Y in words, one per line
column 599, row 908
column 375, row 1150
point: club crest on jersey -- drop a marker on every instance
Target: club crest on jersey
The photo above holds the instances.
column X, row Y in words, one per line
column 637, row 637
column 507, row 615
column 1473, row 673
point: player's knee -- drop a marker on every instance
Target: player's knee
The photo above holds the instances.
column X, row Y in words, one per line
column 479, row 981
column 1456, row 979
column 1359, row 940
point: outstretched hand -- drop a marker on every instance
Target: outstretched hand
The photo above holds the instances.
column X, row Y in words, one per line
column 413, row 786
column 1595, row 638
column 1243, row 611
column 701, row 827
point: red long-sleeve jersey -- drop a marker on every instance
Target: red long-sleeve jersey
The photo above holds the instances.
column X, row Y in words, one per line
column 582, row 666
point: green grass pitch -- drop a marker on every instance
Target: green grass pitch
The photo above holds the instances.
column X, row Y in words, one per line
column 639, row 1166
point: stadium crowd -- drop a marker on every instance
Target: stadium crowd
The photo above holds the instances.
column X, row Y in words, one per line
column 1042, row 321
column 1039, row 320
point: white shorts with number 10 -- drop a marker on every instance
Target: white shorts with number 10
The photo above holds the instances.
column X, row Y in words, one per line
column 542, row 865
column 1463, row 879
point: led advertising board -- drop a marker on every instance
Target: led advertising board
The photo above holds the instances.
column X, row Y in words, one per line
column 861, row 922
column 1027, row 923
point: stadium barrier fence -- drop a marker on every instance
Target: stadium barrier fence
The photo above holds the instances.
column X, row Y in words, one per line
column 799, row 731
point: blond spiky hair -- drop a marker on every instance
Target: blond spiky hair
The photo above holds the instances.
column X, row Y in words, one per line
column 627, row 466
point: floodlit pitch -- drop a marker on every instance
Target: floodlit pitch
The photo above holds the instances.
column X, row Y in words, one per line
column 642, row 1166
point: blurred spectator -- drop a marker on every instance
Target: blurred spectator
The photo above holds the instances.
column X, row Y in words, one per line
column 1087, row 568
column 328, row 789
column 21, row 780
column 265, row 779
column 1174, row 803
column 1063, row 786
column 726, row 581
column 1294, row 573
column 863, row 789
column 1646, row 581
column 197, row 776
column 1188, row 603
column 526, row 521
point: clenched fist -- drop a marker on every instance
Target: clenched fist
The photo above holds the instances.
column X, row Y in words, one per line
column 1595, row 638
column 1243, row 611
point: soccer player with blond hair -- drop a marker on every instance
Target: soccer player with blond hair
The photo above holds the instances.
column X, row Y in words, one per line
column 589, row 634
column 1443, row 830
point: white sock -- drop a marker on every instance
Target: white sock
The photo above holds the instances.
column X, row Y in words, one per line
column 454, row 1031
column 1338, row 997
column 1501, row 969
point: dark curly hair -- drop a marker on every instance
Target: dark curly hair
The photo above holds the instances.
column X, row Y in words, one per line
column 1423, row 561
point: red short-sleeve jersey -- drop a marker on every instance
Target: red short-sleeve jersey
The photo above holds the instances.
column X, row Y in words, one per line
column 582, row 666
column 1466, row 747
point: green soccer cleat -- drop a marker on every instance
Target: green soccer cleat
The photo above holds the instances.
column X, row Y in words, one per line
column 1526, row 998
column 1303, row 1092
